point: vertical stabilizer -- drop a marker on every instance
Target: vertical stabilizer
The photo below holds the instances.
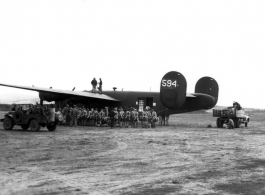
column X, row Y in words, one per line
column 173, row 90
column 209, row 86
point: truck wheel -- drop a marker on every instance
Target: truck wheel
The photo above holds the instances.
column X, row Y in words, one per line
column 8, row 123
column 34, row 125
column 218, row 122
column 237, row 123
column 51, row 127
column 222, row 123
column 25, row 126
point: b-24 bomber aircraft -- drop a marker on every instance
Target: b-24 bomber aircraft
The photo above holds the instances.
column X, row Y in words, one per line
column 172, row 95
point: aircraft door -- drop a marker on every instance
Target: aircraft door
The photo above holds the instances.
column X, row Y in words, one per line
column 149, row 102
column 145, row 101
column 141, row 104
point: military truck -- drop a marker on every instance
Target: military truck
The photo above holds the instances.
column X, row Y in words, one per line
column 238, row 116
column 33, row 118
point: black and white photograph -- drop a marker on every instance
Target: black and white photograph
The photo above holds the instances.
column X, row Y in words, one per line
column 132, row 97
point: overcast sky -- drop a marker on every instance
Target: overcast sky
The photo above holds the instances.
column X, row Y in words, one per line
column 132, row 44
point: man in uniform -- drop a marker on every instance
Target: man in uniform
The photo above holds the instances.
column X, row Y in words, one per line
column 127, row 117
column 230, row 124
column 144, row 118
column 159, row 115
column 84, row 116
column 101, row 115
column 136, row 118
column 92, row 117
column 121, row 117
column 167, row 113
column 94, row 85
column 96, row 115
column 163, row 115
column 79, row 115
column 116, row 116
column 112, row 114
column 153, row 118
column 67, row 115
column 14, row 107
column 74, row 116
column 237, row 106
column 100, row 86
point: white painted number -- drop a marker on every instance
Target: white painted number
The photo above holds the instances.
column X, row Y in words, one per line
column 169, row 83
column 174, row 83
column 164, row 83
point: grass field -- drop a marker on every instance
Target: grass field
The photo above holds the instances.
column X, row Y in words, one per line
column 183, row 158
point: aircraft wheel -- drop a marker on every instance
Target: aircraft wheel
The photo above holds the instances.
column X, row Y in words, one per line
column 51, row 127
column 8, row 123
column 34, row 125
column 246, row 124
column 25, row 127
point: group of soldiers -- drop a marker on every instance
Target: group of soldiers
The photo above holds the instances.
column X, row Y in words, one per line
column 130, row 117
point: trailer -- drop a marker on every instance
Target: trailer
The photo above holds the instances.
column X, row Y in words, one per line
column 238, row 116
column 34, row 119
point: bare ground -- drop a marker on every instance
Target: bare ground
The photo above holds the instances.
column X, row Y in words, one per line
column 183, row 158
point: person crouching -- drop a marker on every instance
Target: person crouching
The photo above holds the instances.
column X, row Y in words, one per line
column 230, row 124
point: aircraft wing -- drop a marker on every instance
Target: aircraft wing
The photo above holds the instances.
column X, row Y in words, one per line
column 65, row 92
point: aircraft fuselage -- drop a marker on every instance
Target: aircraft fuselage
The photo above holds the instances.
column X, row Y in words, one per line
column 133, row 99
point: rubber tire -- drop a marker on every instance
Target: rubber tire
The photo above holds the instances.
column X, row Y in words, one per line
column 218, row 122
column 17, row 116
column 221, row 123
column 51, row 127
column 34, row 125
column 246, row 124
column 237, row 123
column 25, row 126
column 8, row 123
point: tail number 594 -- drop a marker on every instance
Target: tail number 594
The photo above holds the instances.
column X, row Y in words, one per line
column 169, row 83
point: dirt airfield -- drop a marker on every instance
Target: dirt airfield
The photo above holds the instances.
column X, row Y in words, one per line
column 184, row 158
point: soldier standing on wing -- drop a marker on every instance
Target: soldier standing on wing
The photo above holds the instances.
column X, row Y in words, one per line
column 100, row 86
column 94, row 85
